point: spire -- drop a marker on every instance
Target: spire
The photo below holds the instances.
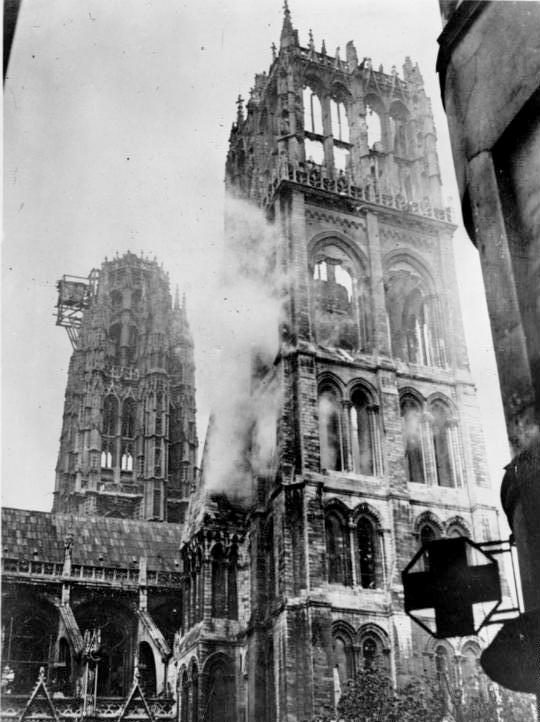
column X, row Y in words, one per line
column 288, row 34
column 240, row 110
column 176, row 298
column 311, row 44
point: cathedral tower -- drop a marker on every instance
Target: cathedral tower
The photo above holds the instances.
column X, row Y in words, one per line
column 128, row 444
column 378, row 441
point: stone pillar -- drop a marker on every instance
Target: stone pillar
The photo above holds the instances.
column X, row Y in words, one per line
column 379, row 330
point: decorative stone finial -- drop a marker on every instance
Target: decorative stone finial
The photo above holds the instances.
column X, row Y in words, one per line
column 323, row 48
column 274, row 51
column 240, row 109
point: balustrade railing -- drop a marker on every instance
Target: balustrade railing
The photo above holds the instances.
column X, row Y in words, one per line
column 316, row 176
column 72, row 708
column 89, row 572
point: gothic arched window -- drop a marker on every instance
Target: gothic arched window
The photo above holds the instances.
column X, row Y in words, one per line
column 115, row 333
column 444, row 457
column 129, row 410
column 330, row 430
column 373, row 650
column 184, row 704
column 232, row 587
column 343, row 656
column 444, row 667
column 269, row 578
column 340, row 124
column 132, row 344
column 340, row 133
column 219, row 589
column 338, row 549
column 313, row 127
column 411, row 415
column 220, row 693
column 28, row 633
column 340, row 299
column 107, row 455
column 362, row 430
column 374, row 127
column 126, row 460
column 369, row 653
column 414, row 315
column 110, row 415
column 116, row 301
column 367, row 553
column 194, row 692
column 472, row 677
column 428, row 532
column 147, row 669
column 312, row 112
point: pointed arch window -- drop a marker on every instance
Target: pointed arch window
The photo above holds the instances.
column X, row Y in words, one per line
column 444, row 668
column 133, row 338
column 367, row 553
column 330, row 430
column 219, row 589
column 373, row 127
column 340, row 124
column 313, row 126
column 338, row 549
column 471, row 674
column 415, row 317
column 442, row 444
column 129, row 410
column 126, row 460
column 340, row 298
column 427, row 533
column 110, row 415
column 363, row 430
column 107, row 457
column 369, row 653
column 343, row 656
column 269, row 562
column 115, row 333
column 220, row 693
column 232, row 587
column 184, row 705
column 374, row 651
column 411, row 415
column 312, row 112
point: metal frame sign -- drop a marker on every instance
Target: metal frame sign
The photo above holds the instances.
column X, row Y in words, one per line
column 452, row 587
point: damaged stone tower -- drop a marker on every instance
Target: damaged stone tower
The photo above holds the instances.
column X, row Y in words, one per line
column 378, row 442
column 128, row 444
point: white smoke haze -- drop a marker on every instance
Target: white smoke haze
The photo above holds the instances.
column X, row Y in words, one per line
column 242, row 326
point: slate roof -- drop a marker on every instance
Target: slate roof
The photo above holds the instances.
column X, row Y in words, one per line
column 117, row 541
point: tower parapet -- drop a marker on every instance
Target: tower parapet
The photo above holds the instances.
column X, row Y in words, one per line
column 340, row 125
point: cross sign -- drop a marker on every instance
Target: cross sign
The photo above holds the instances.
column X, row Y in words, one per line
column 450, row 585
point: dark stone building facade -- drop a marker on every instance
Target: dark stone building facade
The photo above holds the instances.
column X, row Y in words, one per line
column 261, row 610
column 489, row 70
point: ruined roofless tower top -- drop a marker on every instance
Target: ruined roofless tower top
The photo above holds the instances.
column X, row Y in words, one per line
column 338, row 124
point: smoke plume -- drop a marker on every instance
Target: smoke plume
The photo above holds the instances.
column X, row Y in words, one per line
column 243, row 331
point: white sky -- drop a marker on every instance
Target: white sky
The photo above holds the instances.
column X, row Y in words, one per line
column 116, row 120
